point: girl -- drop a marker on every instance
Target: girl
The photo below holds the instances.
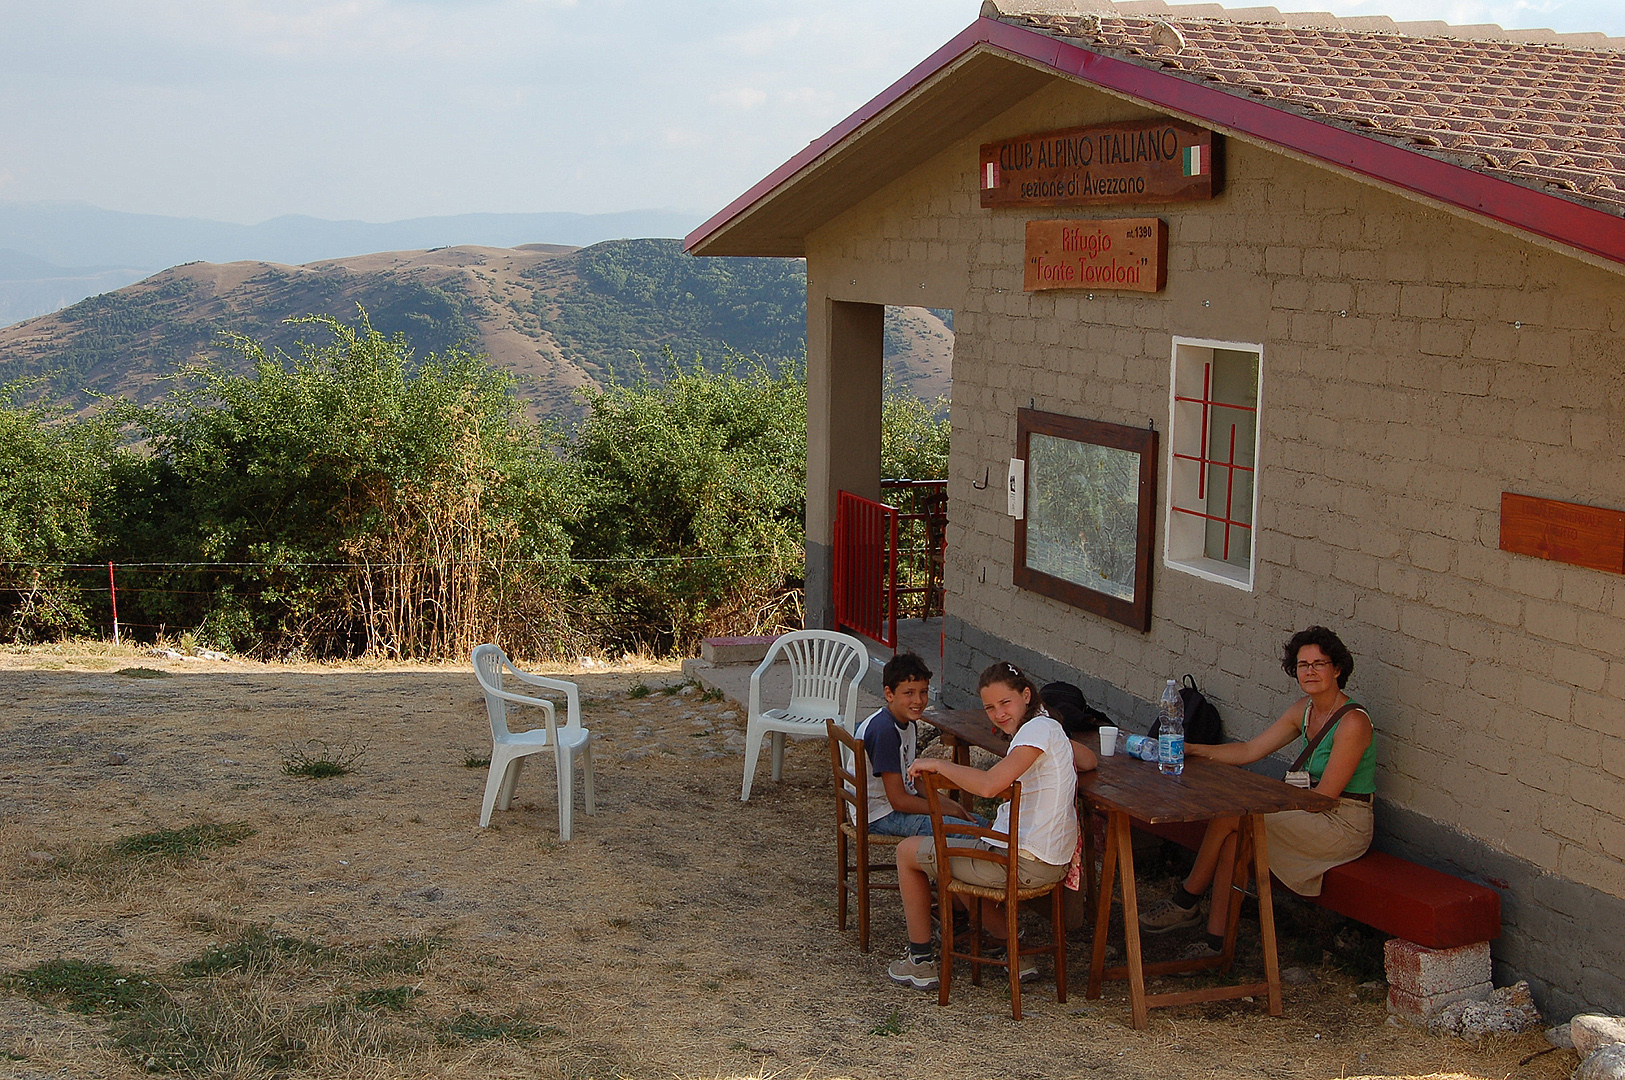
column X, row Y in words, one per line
column 1041, row 757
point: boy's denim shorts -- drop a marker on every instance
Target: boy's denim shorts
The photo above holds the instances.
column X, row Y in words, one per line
column 898, row 823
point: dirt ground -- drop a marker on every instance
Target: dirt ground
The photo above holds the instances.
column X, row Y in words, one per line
column 680, row 934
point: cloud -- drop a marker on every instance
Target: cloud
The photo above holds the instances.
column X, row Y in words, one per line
column 763, row 37
column 740, row 97
column 381, row 109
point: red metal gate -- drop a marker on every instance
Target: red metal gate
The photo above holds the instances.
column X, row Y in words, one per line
column 920, row 550
column 866, row 568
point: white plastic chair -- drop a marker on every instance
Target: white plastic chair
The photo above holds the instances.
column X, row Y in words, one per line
column 825, row 670
column 510, row 748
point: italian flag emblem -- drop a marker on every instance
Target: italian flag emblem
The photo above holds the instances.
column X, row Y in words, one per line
column 990, row 175
column 1195, row 161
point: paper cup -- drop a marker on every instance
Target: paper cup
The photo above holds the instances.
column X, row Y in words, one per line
column 1108, row 741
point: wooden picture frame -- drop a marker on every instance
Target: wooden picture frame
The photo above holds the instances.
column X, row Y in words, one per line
column 1086, row 534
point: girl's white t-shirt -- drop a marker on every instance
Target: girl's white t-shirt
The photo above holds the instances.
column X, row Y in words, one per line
column 1049, row 787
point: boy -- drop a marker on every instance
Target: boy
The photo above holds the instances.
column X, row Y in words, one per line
column 889, row 738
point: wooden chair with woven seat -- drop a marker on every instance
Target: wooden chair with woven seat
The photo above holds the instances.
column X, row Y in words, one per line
column 849, row 766
column 1010, row 894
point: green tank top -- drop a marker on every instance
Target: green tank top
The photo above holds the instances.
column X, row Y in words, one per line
column 1364, row 780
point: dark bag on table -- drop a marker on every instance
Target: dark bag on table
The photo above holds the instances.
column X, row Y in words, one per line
column 1071, row 709
column 1202, row 722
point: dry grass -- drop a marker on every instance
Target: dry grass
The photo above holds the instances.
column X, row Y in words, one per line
column 366, row 928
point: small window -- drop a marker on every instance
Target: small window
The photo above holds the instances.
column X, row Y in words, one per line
column 1212, row 461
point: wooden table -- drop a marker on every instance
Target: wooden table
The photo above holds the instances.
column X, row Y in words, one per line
column 1125, row 789
column 964, row 728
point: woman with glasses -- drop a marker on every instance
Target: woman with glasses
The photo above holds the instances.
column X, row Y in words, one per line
column 1302, row 845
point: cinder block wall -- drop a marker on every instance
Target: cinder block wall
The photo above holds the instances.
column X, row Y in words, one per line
column 1416, row 365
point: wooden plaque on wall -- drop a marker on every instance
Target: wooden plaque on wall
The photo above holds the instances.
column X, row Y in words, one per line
column 1148, row 161
column 1120, row 253
column 1564, row 532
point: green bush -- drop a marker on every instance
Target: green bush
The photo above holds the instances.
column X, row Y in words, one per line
column 913, row 438
column 691, row 503
column 54, row 488
column 353, row 499
column 359, row 499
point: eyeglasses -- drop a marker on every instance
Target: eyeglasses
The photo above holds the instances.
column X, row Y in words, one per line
column 1314, row 665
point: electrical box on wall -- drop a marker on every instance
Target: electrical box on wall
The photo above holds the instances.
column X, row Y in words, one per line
column 1016, row 489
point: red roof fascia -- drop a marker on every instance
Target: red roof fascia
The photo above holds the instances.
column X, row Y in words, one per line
column 1523, row 208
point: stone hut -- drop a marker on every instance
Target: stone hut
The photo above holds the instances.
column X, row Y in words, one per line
column 1370, row 373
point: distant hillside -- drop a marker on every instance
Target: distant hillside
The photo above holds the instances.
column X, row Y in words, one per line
column 558, row 317
column 54, row 254
column 82, row 235
column 31, row 286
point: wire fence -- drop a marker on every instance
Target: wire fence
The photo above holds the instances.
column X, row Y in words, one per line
column 113, row 586
column 648, row 560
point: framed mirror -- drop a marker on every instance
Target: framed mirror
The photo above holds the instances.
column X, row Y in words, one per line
column 1086, row 535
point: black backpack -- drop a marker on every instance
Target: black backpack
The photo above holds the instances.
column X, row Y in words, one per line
column 1202, row 721
column 1071, row 709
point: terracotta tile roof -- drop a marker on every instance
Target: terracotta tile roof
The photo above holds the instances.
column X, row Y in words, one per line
column 1543, row 110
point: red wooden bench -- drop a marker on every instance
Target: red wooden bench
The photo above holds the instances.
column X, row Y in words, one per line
column 1393, row 895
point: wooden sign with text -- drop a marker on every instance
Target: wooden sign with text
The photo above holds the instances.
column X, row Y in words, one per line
column 1119, row 253
column 1564, row 532
column 1156, row 161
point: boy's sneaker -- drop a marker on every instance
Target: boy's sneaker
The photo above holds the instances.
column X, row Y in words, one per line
column 1200, row 949
column 920, row 974
column 1167, row 915
column 1029, row 963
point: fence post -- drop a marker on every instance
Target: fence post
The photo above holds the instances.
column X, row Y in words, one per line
column 112, row 591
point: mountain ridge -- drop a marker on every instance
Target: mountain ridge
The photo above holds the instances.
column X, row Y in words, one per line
column 559, row 318
column 79, row 250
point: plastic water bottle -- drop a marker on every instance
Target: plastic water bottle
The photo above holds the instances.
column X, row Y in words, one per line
column 1171, row 731
column 1141, row 746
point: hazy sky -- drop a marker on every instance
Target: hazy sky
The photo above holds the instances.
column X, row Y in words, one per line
column 242, row 110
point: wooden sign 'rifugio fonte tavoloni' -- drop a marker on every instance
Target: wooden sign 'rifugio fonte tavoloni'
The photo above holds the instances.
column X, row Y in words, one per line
column 1158, row 161
column 1122, row 253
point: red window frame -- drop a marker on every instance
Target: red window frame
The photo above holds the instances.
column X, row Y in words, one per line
column 1204, row 460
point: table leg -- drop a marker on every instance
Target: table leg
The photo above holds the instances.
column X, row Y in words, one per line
column 1103, row 912
column 1239, row 871
column 1266, row 913
column 1131, row 920
column 1091, row 885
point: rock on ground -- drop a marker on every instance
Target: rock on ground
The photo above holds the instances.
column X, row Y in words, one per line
column 1607, row 1063
column 1593, row 1031
column 1509, row 1010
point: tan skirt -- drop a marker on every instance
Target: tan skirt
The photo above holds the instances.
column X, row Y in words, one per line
column 1303, row 846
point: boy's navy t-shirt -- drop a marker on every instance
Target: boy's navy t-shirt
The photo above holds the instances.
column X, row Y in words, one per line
column 890, row 748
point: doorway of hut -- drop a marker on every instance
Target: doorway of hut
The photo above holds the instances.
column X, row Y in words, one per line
column 879, row 391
